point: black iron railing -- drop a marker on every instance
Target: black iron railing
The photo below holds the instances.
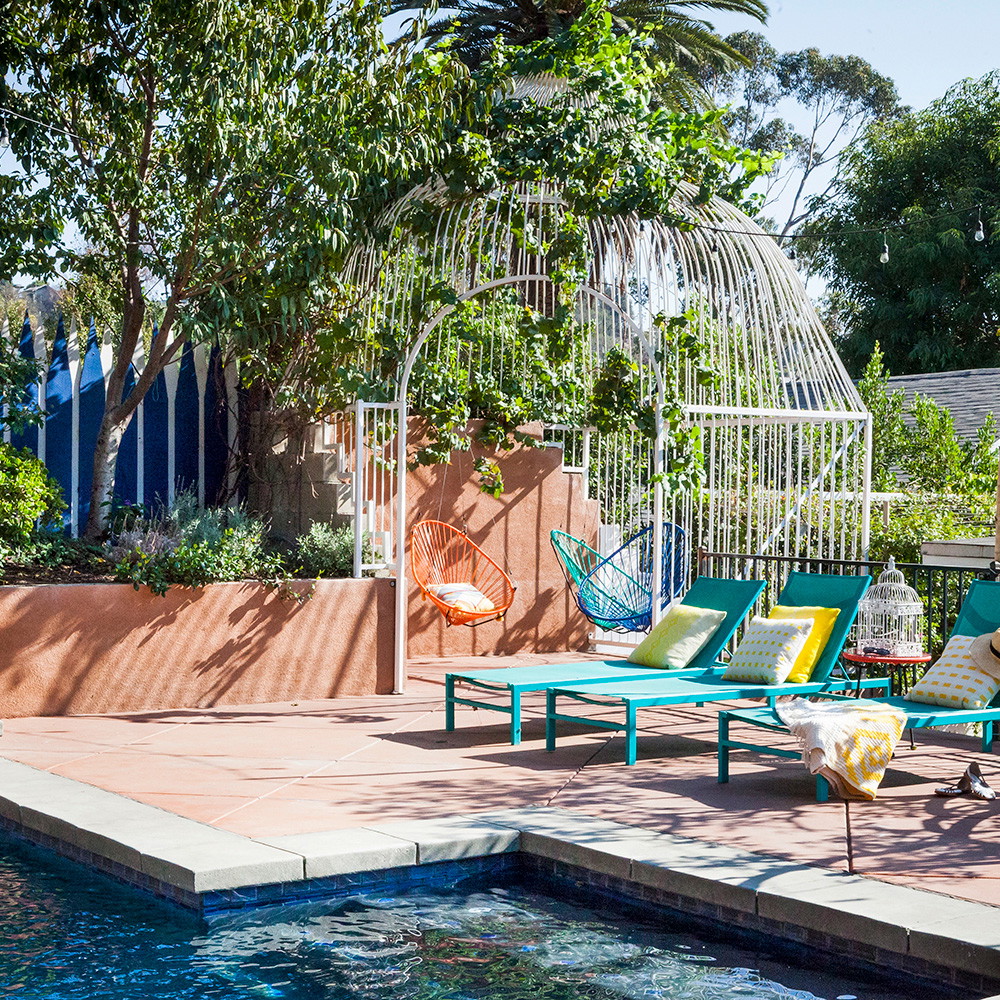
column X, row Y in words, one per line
column 941, row 588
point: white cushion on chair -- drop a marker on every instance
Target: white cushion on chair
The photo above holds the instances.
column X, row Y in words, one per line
column 462, row 596
column 768, row 650
column 956, row 680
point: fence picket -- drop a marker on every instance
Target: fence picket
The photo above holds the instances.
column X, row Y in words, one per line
column 33, row 348
column 57, row 448
column 178, row 437
column 5, row 342
column 91, row 395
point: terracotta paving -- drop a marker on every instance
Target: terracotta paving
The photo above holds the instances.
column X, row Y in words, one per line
column 268, row 770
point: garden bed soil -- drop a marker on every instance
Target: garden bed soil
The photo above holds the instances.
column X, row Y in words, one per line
column 37, row 576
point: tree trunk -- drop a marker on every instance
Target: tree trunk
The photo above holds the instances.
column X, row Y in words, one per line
column 109, row 439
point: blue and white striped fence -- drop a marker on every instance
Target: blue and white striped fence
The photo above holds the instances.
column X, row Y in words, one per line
column 179, row 437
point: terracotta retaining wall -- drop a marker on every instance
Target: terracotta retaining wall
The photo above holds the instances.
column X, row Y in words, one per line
column 90, row 648
column 514, row 529
column 100, row 648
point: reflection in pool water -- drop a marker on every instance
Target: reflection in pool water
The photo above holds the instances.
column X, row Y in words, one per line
column 67, row 934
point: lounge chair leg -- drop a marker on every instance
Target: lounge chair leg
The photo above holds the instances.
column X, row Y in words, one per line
column 822, row 789
column 723, row 753
column 550, row 722
column 987, row 737
column 515, row 718
column 630, row 737
column 449, row 703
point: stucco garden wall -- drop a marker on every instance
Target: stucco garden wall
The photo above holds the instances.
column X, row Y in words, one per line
column 108, row 648
column 514, row 529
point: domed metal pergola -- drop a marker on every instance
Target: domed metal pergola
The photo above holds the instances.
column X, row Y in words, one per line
column 785, row 436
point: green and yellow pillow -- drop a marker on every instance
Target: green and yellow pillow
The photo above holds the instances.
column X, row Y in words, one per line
column 678, row 637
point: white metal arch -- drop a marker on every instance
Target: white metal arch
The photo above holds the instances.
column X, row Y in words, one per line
column 402, row 412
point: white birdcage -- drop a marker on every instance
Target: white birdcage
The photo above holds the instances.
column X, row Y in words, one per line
column 890, row 617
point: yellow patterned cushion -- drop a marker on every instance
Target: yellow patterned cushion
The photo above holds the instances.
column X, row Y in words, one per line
column 824, row 620
column 678, row 637
column 768, row 650
column 955, row 681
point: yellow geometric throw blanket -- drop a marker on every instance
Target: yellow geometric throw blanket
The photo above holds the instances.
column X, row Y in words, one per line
column 850, row 743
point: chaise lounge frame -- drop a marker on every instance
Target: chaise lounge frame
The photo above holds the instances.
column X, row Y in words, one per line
column 980, row 613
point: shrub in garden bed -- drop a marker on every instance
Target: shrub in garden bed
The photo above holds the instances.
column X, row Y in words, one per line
column 192, row 547
column 185, row 546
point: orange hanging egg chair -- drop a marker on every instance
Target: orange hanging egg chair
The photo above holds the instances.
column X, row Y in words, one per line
column 465, row 584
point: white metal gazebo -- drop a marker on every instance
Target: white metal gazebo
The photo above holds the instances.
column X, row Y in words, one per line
column 786, row 438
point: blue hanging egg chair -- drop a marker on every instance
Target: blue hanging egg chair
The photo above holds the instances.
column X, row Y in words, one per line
column 617, row 594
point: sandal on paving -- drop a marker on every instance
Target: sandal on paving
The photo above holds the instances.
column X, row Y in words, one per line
column 948, row 791
column 975, row 784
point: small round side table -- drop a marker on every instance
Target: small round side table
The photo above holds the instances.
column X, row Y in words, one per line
column 893, row 664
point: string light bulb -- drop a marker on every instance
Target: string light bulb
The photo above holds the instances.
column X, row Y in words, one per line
column 4, row 135
column 884, row 257
column 980, row 233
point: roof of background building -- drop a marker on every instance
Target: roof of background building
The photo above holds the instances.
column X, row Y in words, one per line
column 970, row 395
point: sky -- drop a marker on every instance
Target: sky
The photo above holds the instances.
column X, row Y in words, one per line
column 923, row 45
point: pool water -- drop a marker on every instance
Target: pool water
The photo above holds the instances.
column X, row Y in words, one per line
column 65, row 933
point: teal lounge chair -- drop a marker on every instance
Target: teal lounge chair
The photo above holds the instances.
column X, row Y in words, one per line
column 707, row 685
column 979, row 614
column 735, row 597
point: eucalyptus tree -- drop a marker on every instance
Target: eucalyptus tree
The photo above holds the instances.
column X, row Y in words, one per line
column 675, row 33
column 208, row 160
column 809, row 106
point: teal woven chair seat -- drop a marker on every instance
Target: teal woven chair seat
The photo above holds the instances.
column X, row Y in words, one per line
column 617, row 594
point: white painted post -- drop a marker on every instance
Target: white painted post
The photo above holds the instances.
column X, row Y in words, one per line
column 75, row 374
column 171, row 375
column 107, row 356
column 201, row 359
column 360, row 475
column 399, row 652
column 659, row 468
column 140, row 432
column 44, row 361
column 866, row 490
column 5, row 339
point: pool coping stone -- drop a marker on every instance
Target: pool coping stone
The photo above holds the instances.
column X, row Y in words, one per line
column 153, row 842
column 189, row 861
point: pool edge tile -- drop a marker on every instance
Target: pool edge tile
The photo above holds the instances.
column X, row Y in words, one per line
column 452, row 838
column 345, row 852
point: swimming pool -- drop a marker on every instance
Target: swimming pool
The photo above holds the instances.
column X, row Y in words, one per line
column 67, row 934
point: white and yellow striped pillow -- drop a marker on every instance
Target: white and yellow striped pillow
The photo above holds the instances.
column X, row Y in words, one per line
column 955, row 681
column 768, row 650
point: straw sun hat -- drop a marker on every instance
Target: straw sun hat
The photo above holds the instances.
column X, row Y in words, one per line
column 985, row 652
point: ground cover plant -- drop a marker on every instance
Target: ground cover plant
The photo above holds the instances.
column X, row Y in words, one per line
column 182, row 545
